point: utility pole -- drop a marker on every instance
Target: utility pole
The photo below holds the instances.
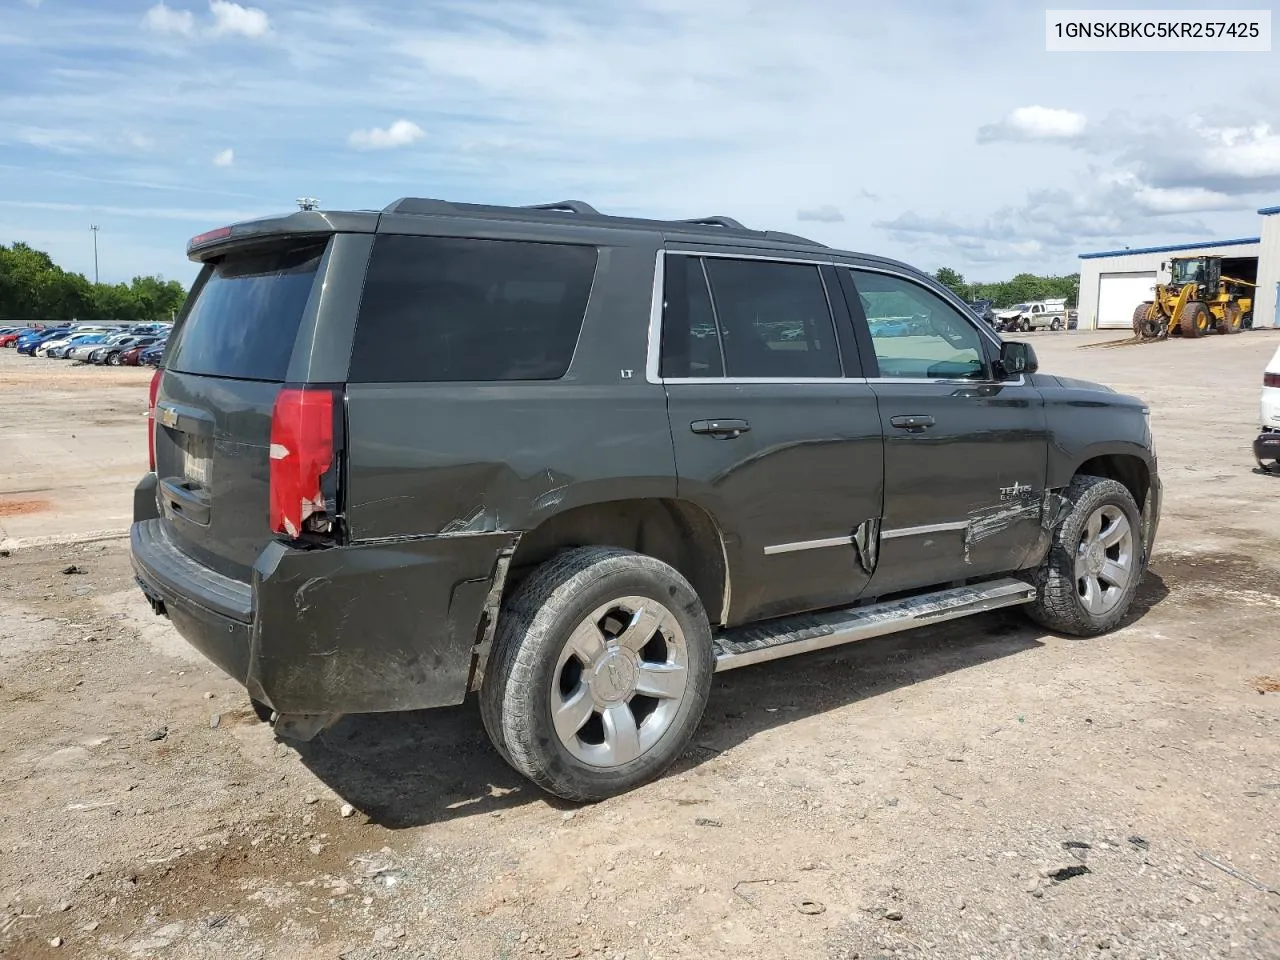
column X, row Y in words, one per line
column 94, row 228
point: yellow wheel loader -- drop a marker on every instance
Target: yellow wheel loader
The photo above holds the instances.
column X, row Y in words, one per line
column 1197, row 299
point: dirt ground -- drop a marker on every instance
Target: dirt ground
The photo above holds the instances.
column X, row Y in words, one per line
column 72, row 446
column 979, row 789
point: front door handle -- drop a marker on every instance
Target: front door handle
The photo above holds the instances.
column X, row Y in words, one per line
column 721, row 429
column 913, row 424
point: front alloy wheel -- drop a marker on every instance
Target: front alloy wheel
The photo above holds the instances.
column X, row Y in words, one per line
column 1087, row 581
column 1104, row 560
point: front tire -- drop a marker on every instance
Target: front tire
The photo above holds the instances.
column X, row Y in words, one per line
column 1195, row 320
column 1087, row 582
column 599, row 674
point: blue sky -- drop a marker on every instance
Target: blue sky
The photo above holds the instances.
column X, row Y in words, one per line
column 938, row 132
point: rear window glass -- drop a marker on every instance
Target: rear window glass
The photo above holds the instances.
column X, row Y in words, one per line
column 445, row 309
column 246, row 317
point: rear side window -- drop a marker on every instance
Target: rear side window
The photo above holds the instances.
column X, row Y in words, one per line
column 245, row 318
column 769, row 319
column 443, row 309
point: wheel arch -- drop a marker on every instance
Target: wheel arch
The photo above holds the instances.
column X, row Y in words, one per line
column 675, row 531
column 1128, row 469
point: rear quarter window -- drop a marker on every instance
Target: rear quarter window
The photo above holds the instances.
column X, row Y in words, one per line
column 439, row 309
column 245, row 317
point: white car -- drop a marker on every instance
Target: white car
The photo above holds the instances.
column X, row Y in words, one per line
column 1266, row 449
column 48, row 345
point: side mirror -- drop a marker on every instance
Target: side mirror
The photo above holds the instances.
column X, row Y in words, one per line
column 1017, row 358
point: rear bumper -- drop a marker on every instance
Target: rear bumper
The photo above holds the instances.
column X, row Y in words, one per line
column 356, row 629
column 1266, row 448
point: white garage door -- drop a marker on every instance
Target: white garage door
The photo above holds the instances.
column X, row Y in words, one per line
column 1118, row 294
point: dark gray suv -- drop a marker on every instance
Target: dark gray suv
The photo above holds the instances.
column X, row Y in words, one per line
column 578, row 463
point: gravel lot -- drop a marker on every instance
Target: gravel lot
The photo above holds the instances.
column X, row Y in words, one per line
column 977, row 789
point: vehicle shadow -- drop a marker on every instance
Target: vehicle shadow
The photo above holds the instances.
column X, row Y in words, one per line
column 411, row 769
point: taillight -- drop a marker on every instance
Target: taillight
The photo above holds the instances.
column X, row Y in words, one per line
column 151, row 417
column 302, row 456
column 1271, row 379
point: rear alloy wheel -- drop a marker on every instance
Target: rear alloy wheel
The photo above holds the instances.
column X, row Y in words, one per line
column 599, row 673
column 1087, row 581
column 1230, row 322
column 1194, row 321
column 1055, row 324
column 113, row 359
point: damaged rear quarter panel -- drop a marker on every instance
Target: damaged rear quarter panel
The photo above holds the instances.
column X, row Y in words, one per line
column 383, row 626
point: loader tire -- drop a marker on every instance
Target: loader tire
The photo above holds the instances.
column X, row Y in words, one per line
column 1230, row 322
column 1144, row 328
column 1194, row 321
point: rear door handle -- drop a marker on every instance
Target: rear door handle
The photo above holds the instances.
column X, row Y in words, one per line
column 913, row 424
column 721, row 429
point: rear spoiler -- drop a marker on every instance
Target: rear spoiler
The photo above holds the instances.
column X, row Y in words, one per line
column 305, row 223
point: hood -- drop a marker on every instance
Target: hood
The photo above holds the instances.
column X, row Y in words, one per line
column 1008, row 313
column 1071, row 383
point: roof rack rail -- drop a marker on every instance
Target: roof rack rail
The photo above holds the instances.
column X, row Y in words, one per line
column 727, row 222
column 567, row 206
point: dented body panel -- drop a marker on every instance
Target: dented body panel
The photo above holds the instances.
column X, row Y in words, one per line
column 349, row 629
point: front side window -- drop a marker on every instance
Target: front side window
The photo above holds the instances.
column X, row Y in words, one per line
column 916, row 334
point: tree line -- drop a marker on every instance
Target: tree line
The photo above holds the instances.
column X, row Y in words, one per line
column 1021, row 289
column 33, row 287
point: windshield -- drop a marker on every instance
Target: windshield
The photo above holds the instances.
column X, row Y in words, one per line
column 1188, row 271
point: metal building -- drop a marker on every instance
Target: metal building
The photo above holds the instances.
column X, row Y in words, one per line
column 1114, row 282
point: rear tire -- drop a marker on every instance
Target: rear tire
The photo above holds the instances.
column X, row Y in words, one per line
column 1088, row 579
column 1055, row 324
column 599, row 673
column 1230, row 322
column 1194, row 321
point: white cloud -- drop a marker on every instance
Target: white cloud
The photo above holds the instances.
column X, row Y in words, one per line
column 823, row 214
column 224, row 158
column 399, row 134
column 58, row 140
column 231, row 18
column 1035, row 123
column 164, row 19
column 1182, row 200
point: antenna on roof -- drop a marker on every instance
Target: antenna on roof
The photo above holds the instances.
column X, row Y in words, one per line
column 308, row 203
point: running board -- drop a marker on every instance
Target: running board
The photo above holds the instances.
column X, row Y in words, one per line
column 788, row 636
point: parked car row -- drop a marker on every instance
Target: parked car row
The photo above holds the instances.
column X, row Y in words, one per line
column 99, row 344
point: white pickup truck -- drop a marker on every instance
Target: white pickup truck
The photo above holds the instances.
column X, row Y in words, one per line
column 1035, row 315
